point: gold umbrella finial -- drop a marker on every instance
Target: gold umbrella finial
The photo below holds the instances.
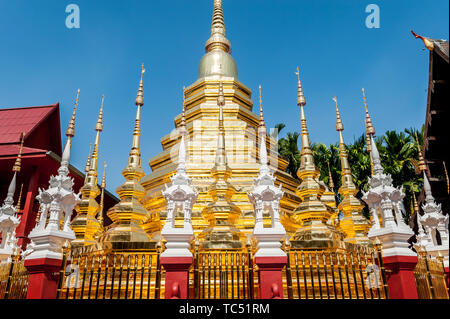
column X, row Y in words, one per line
column 19, row 200
column 422, row 165
column 330, row 177
column 218, row 37
column 88, row 161
column 140, row 95
column 99, row 125
column 261, row 113
column 18, row 163
column 183, row 113
column 339, row 125
column 301, row 101
column 416, row 206
column 70, row 132
column 370, row 130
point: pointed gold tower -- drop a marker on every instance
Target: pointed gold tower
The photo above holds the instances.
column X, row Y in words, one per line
column 85, row 224
column 222, row 213
column 353, row 224
column 370, row 130
column 241, row 127
column 126, row 232
column 312, row 214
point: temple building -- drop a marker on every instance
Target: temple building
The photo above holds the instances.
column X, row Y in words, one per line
column 436, row 137
column 41, row 156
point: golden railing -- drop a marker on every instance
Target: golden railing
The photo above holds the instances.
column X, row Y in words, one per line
column 226, row 274
column 13, row 279
column 430, row 278
column 99, row 275
column 313, row 274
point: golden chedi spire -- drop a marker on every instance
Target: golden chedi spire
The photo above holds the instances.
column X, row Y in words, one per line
column 370, row 130
column 313, row 213
column 102, row 197
column 85, row 224
column 222, row 213
column 126, row 232
column 353, row 224
column 218, row 48
column 330, row 177
column 18, row 162
column 422, row 165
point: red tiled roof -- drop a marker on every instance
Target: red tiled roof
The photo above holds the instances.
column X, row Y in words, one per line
column 7, row 150
column 14, row 121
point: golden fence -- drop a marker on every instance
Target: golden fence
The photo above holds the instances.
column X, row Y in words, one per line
column 227, row 274
column 311, row 274
column 13, row 280
column 98, row 275
column 430, row 278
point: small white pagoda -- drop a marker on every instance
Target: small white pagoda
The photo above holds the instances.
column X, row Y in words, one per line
column 56, row 207
column 8, row 217
column 265, row 196
column 386, row 206
column 433, row 226
column 180, row 197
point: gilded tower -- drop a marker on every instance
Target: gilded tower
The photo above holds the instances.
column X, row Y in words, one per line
column 85, row 224
column 313, row 213
column 126, row 232
column 240, row 128
column 353, row 224
column 222, row 213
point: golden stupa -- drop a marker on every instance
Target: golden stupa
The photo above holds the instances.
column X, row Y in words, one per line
column 240, row 126
column 222, row 146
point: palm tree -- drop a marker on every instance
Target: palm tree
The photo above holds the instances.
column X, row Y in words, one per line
column 398, row 154
column 288, row 149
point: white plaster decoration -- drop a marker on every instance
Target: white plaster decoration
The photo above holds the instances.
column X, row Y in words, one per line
column 386, row 201
column 8, row 224
column 180, row 196
column 432, row 222
column 56, row 206
column 266, row 196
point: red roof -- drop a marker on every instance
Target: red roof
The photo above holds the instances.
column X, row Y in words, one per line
column 17, row 120
column 39, row 123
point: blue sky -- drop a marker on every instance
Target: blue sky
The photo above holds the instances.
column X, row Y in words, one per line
column 43, row 62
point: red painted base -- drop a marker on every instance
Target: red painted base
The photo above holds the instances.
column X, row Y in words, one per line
column 177, row 276
column 270, row 276
column 44, row 276
column 400, row 276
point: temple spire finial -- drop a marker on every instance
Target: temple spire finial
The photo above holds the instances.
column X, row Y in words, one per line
column 339, row 125
column 134, row 158
column 218, row 37
column 221, row 158
column 262, row 123
column 370, row 130
column 422, row 165
column 262, row 136
column 140, row 95
column 330, row 177
column 183, row 114
column 301, row 101
column 70, row 132
column 102, row 195
column 18, row 163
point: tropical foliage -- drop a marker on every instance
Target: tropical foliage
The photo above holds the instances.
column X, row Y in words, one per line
column 398, row 153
